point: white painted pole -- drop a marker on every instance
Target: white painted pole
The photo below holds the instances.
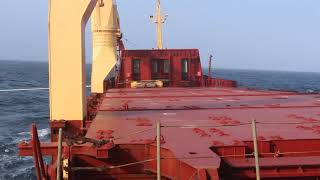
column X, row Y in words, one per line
column 255, row 145
column 158, row 151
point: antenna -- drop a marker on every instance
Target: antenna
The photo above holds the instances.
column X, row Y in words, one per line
column 159, row 19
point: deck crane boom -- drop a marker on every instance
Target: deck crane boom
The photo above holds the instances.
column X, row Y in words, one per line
column 105, row 27
column 67, row 21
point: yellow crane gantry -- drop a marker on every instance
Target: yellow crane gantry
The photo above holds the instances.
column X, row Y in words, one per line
column 67, row 77
column 66, row 41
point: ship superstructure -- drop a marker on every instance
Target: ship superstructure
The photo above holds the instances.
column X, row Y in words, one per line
column 160, row 117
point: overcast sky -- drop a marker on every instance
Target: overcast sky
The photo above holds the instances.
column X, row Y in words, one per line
column 242, row 34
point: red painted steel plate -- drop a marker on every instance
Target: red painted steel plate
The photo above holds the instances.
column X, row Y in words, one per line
column 189, row 117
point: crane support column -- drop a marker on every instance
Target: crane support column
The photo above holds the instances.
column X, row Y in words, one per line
column 105, row 32
column 67, row 21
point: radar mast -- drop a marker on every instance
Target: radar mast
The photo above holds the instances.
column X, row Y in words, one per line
column 159, row 20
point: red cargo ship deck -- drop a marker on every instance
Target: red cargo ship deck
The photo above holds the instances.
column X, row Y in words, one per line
column 205, row 124
column 207, row 131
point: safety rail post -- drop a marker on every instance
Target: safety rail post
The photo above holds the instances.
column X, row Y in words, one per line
column 209, row 71
column 37, row 154
column 158, row 151
column 255, row 145
column 59, row 154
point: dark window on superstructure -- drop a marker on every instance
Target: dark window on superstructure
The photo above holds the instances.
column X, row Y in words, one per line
column 184, row 69
column 155, row 70
column 136, row 69
column 166, row 66
column 155, row 66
